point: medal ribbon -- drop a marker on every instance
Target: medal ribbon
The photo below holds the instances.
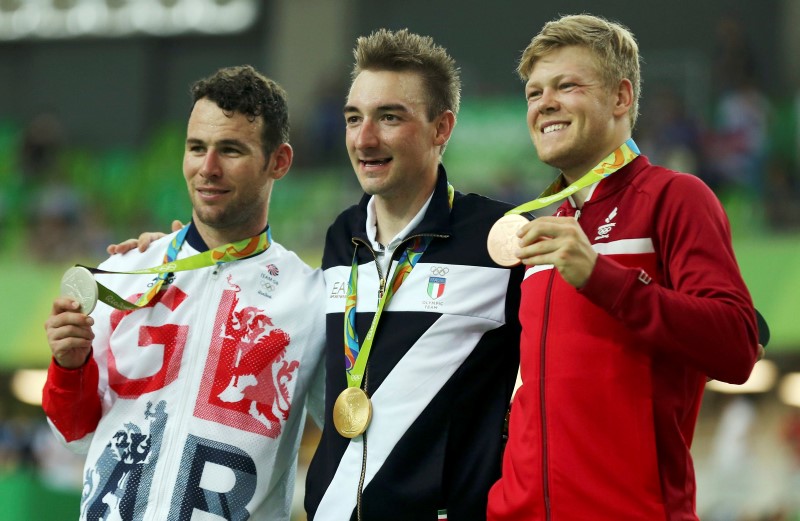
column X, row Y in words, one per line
column 356, row 357
column 620, row 157
column 215, row 256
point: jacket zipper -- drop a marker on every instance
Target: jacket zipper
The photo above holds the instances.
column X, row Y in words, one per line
column 362, row 477
column 381, row 290
column 185, row 396
column 542, row 401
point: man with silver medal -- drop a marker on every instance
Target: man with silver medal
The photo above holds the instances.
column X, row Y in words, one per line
column 185, row 363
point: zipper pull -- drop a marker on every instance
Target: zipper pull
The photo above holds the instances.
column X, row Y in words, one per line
column 382, row 288
column 577, row 214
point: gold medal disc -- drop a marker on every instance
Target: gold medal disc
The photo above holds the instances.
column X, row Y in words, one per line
column 352, row 412
column 503, row 240
column 79, row 284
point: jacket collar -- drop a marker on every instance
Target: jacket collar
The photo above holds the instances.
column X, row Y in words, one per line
column 435, row 222
column 194, row 239
column 613, row 183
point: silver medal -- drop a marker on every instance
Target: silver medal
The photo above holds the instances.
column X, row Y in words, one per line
column 79, row 285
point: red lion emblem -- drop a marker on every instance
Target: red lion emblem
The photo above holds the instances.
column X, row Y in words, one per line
column 251, row 374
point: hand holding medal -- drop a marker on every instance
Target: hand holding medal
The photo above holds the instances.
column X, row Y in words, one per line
column 502, row 240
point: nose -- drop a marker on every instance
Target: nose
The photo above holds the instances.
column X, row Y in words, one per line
column 366, row 135
column 547, row 101
column 211, row 164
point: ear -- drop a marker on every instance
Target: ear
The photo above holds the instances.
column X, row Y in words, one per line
column 280, row 161
column 444, row 125
column 624, row 98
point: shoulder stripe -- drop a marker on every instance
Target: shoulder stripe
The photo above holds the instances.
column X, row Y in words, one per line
column 536, row 269
column 452, row 289
column 625, row 246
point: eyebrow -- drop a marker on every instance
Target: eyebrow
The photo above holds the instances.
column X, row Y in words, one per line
column 222, row 142
column 552, row 79
column 392, row 107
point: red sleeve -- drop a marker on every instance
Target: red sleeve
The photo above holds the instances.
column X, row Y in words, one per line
column 70, row 399
column 702, row 312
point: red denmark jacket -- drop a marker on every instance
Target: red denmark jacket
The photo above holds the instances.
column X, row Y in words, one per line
column 613, row 373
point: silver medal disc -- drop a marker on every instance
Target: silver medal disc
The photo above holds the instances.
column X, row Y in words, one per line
column 79, row 285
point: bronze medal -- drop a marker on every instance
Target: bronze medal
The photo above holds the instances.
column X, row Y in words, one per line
column 503, row 240
column 79, row 285
column 352, row 412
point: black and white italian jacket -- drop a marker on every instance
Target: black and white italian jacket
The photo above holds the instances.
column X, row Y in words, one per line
column 440, row 374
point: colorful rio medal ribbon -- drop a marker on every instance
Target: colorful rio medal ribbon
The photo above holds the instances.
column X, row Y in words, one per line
column 78, row 282
column 502, row 239
column 352, row 410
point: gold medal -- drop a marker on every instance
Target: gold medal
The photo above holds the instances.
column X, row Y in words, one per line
column 79, row 284
column 352, row 412
column 503, row 240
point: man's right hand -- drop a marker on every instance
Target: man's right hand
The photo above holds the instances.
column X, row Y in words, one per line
column 69, row 333
column 142, row 243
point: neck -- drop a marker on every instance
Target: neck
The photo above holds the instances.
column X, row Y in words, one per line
column 573, row 175
column 393, row 215
column 580, row 196
column 216, row 237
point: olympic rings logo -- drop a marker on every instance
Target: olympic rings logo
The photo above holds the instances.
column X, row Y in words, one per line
column 439, row 270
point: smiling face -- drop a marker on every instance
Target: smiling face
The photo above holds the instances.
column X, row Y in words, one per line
column 228, row 177
column 575, row 119
column 393, row 147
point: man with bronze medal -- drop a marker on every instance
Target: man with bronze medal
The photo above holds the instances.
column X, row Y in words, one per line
column 632, row 298
column 192, row 370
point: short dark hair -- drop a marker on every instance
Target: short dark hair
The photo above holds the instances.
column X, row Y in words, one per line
column 244, row 90
column 400, row 51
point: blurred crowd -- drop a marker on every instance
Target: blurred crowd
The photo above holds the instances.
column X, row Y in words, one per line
column 744, row 145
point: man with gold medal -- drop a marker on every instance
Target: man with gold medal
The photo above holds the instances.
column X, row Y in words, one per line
column 415, row 407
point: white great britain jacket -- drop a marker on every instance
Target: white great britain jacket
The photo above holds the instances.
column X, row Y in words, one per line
column 200, row 396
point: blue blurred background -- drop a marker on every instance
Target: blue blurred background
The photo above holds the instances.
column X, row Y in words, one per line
column 93, row 105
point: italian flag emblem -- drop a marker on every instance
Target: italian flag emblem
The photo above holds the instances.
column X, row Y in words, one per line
column 435, row 290
column 441, row 514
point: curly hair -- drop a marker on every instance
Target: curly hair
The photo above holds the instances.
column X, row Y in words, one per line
column 613, row 45
column 244, row 90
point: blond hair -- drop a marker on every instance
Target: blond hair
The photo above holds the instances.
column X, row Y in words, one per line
column 613, row 45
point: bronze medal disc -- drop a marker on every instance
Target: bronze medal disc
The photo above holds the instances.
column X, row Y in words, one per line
column 352, row 412
column 503, row 240
column 79, row 285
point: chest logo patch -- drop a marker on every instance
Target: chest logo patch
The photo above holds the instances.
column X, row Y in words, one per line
column 437, row 281
column 604, row 230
